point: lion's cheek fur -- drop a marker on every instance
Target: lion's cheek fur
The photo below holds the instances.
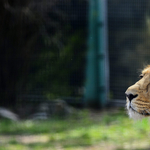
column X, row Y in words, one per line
column 134, row 115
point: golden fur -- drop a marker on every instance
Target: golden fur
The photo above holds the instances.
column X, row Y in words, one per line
column 138, row 96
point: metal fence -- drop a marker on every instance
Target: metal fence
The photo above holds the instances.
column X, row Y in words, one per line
column 129, row 48
column 44, row 48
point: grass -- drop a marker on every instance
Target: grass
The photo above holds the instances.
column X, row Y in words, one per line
column 85, row 130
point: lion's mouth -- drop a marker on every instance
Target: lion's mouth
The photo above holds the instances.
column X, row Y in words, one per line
column 144, row 113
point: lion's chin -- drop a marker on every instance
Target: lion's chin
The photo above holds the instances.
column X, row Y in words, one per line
column 135, row 115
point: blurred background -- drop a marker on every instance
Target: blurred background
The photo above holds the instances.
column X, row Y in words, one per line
column 58, row 58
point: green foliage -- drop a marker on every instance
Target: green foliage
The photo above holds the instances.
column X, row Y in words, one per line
column 58, row 71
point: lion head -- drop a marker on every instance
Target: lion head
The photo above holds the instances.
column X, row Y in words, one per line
column 138, row 96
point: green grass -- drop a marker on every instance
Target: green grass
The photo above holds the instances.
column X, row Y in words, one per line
column 85, row 130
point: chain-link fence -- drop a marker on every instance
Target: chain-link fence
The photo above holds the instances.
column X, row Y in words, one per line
column 129, row 48
column 44, row 48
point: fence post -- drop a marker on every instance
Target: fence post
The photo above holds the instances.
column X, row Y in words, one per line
column 97, row 71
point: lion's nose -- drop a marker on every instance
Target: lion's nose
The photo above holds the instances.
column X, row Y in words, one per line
column 131, row 96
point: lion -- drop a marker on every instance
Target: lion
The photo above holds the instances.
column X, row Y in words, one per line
column 138, row 96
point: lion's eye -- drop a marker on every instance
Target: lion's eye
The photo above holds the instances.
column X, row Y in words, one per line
column 141, row 76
